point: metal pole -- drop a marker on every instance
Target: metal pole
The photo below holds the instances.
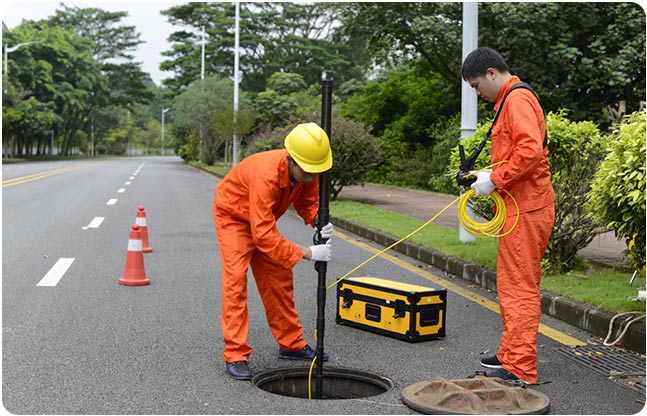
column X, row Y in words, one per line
column 468, row 95
column 202, row 67
column 164, row 111
column 236, row 64
column 323, row 216
column 4, row 74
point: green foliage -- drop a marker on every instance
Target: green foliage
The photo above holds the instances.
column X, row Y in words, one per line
column 576, row 149
column 206, row 108
column 275, row 37
column 596, row 56
column 406, row 112
column 355, row 152
column 275, row 108
column 286, row 83
column 617, row 196
column 189, row 151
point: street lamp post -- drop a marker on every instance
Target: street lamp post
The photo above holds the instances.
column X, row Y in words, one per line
column 7, row 50
column 164, row 111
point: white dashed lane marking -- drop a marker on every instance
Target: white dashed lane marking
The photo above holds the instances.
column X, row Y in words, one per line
column 56, row 272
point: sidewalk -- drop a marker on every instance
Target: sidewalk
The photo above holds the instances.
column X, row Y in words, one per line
column 423, row 205
column 604, row 248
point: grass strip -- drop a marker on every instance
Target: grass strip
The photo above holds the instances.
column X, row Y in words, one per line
column 601, row 287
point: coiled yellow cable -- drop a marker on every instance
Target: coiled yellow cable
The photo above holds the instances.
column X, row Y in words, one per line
column 491, row 228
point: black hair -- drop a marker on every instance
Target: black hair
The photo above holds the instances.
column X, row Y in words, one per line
column 479, row 60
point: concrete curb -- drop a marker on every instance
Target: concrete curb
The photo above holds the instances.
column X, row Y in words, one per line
column 592, row 320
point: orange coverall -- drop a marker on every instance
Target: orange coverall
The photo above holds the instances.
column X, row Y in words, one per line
column 246, row 206
column 518, row 138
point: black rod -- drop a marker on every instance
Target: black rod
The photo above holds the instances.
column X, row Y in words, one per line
column 323, row 218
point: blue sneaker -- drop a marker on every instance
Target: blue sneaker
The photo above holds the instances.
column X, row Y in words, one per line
column 306, row 354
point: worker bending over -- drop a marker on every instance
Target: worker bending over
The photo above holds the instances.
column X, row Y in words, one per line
column 246, row 206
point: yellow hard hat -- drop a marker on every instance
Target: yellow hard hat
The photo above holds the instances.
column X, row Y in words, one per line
column 309, row 146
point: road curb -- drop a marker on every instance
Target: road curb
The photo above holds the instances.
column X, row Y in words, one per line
column 592, row 320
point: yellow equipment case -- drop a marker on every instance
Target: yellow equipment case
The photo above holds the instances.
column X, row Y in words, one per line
column 409, row 312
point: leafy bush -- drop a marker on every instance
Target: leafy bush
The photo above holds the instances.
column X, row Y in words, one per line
column 617, row 197
column 576, row 149
column 355, row 152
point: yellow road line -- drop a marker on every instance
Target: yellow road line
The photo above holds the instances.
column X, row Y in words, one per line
column 42, row 175
column 550, row 332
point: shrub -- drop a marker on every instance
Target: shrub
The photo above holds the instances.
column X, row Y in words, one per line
column 617, row 197
column 355, row 152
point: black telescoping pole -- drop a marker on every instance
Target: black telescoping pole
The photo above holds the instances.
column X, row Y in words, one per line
column 323, row 217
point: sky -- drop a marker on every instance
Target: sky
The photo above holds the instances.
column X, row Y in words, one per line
column 144, row 15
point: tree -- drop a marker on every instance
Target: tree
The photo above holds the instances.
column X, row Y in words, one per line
column 60, row 70
column 596, row 56
column 196, row 109
column 398, row 33
column 113, row 46
column 274, row 37
column 579, row 56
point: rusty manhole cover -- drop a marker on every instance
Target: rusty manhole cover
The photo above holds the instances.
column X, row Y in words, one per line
column 478, row 395
column 626, row 368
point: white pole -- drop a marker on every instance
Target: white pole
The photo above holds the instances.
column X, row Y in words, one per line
column 236, row 63
column 468, row 95
column 163, row 112
column 203, row 41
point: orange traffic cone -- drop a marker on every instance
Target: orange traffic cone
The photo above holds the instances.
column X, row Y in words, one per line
column 141, row 221
column 134, row 272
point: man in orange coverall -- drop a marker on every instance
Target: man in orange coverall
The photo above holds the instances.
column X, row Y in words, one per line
column 518, row 137
column 246, row 206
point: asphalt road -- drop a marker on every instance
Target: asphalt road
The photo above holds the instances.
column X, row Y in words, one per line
column 86, row 345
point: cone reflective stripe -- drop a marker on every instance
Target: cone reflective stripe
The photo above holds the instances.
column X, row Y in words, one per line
column 134, row 271
column 143, row 228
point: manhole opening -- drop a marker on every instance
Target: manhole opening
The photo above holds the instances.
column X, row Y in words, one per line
column 337, row 383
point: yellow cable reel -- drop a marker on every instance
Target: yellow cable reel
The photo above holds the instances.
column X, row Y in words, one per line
column 491, row 228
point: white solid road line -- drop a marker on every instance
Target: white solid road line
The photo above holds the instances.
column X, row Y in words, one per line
column 111, row 201
column 95, row 223
column 56, row 272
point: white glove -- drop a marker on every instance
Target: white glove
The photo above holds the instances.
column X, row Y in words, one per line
column 483, row 185
column 321, row 252
column 326, row 231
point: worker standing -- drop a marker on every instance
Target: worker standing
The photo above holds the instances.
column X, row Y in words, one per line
column 246, row 206
column 518, row 137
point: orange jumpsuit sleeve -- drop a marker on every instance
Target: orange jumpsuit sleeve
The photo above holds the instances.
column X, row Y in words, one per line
column 526, row 150
column 263, row 196
column 307, row 203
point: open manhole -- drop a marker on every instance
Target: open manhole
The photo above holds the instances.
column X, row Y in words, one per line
column 338, row 383
column 480, row 396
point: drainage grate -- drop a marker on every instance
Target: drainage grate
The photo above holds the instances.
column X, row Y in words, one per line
column 621, row 366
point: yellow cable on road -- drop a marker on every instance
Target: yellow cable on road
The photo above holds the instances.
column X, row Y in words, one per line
column 42, row 175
